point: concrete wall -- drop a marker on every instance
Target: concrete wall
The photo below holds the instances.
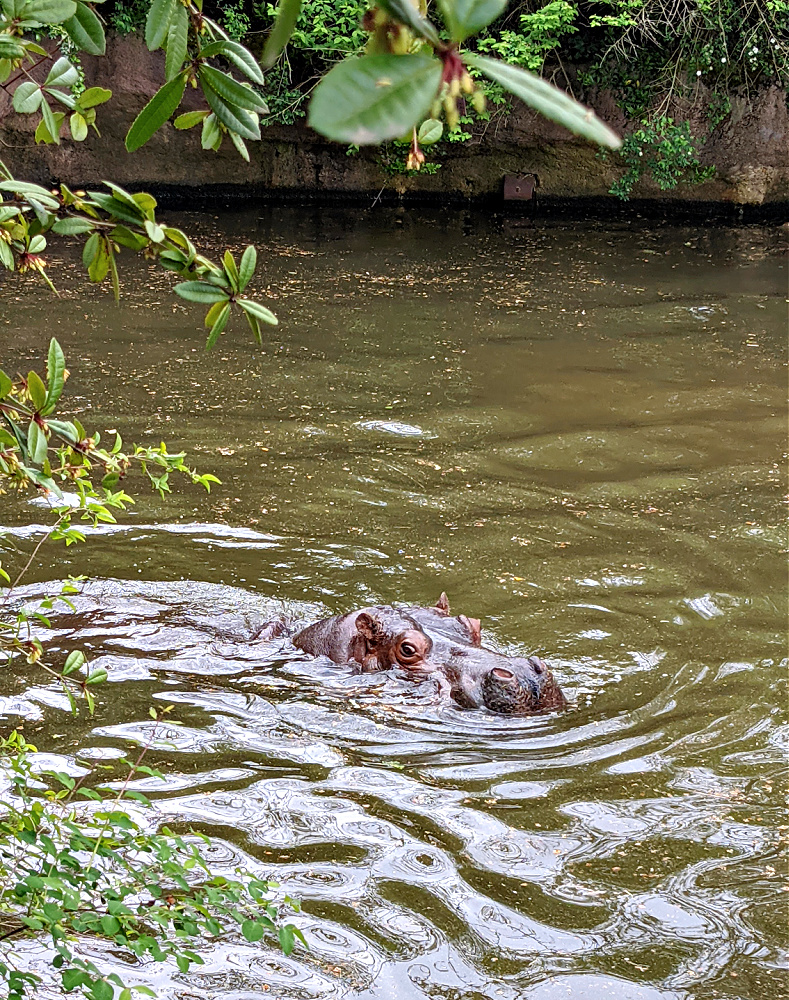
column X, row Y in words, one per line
column 750, row 151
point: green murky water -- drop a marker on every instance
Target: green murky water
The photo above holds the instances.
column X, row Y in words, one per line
column 579, row 433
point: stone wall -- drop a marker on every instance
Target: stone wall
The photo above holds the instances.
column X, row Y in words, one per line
column 750, row 150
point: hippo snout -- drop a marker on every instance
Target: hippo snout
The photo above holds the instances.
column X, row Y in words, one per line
column 523, row 686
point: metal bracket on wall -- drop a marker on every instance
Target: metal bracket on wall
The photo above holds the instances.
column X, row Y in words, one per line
column 520, row 187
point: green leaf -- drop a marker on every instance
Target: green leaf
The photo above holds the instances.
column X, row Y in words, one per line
column 211, row 137
column 127, row 238
column 37, row 390
column 49, row 11
column 406, row 12
column 72, row 227
column 430, row 131
column 27, row 97
column 218, row 327
column 62, row 96
column 50, row 122
column 34, row 190
column 237, row 54
column 6, row 256
column 43, row 133
column 246, row 268
column 79, row 127
column 190, row 119
column 110, row 925
column 547, row 99
column 97, row 676
column 122, row 195
column 101, row 990
column 93, row 96
column 231, row 269
column 117, row 207
column 100, row 265
column 177, row 39
column 369, row 99
column 258, row 311
column 240, row 145
column 10, row 48
column 237, row 119
column 56, row 376
column 72, row 978
column 467, row 17
column 252, row 930
column 286, row 938
column 145, row 202
column 74, row 662
column 6, row 385
column 37, row 244
column 86, row 31
column 155, row 113
column 90, row 249
column 200, row 291
column 62, row 74
column 231, row 90
column 213, row 313
column 36, row 443
column 154, row 231
column 157, row 24
column 284, row 23
column 65, row 429
column 116, row 285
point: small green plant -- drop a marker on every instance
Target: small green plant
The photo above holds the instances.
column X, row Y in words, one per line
column 234, row 19
column 326, row 29
column 286, row 102
column 663, row 150
column 540, row 32
column 127, row 16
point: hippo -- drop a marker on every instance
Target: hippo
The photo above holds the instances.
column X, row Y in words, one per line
column 430, row 642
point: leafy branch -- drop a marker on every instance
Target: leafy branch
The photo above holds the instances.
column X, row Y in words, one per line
column 72, row 868
column 113, row 220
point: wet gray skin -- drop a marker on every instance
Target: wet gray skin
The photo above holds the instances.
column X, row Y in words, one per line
column 446, row 648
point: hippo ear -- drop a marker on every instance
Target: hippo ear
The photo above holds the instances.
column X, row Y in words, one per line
column 443, row 603
column 368, row 626
column 474, row 626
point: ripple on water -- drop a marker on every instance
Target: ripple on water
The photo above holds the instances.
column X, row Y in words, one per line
column 485, row 840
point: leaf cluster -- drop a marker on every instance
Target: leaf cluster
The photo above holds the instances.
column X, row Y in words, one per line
column 74, row 861
column 38, row 449
column 664, row 150
column 411, row 72
column 111, row 221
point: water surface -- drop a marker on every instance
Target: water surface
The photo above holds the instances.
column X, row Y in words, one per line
column 578, row 432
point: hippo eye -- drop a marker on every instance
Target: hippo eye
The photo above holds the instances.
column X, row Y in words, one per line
column 501, row 674
column 407, row 649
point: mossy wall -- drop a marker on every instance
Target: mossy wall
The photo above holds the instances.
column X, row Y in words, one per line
column 749, row 150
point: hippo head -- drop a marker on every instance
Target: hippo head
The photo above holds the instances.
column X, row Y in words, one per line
column 450, row 649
